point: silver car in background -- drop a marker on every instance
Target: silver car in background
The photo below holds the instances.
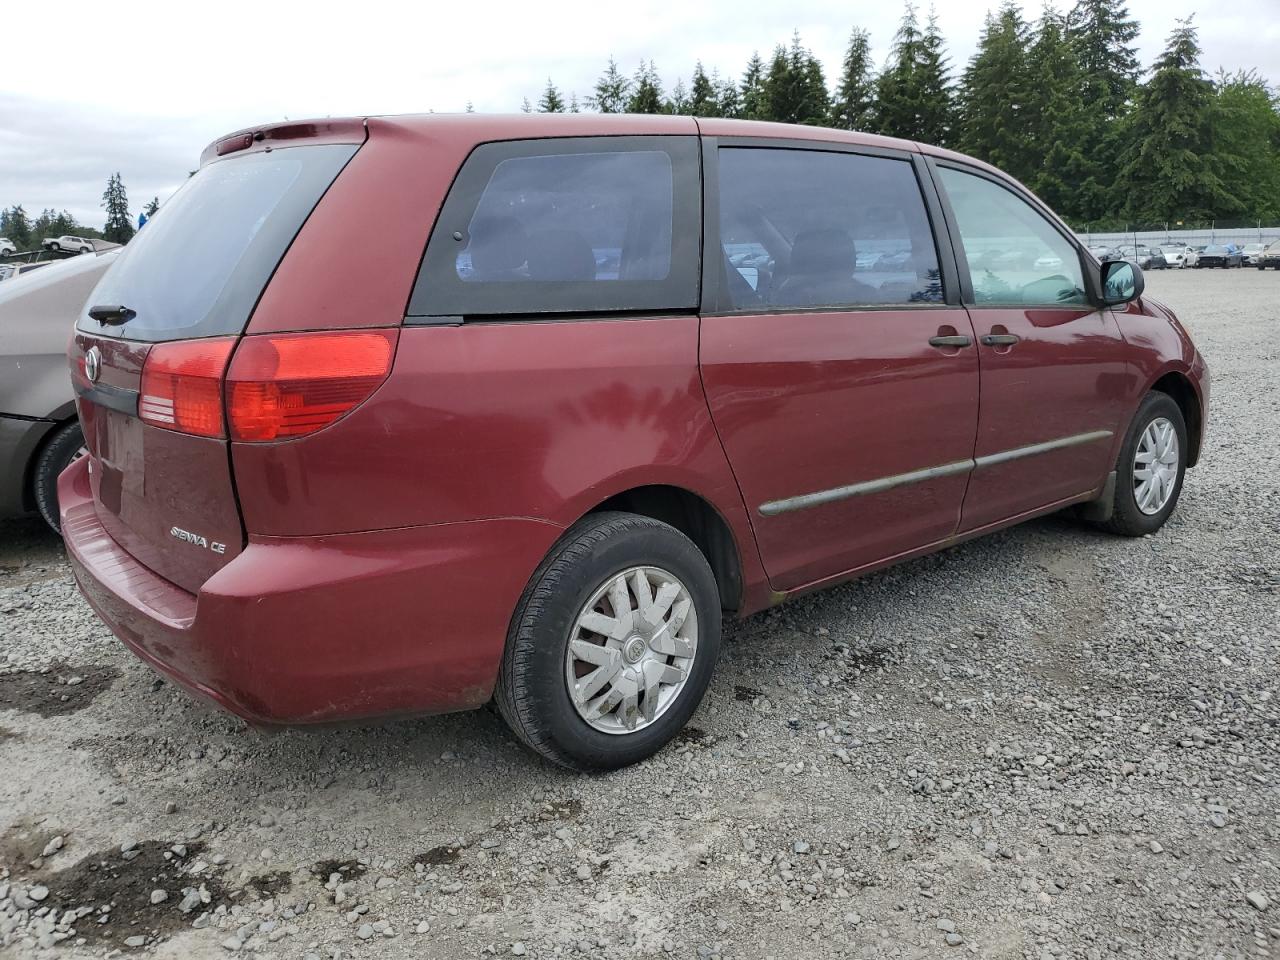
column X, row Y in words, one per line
column 39, row 433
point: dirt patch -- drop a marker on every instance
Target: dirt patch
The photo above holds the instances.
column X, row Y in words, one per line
column 438, row 856
column 322, row 870
column 746, row 694
column 55, row 692
column 7, row 734
column 691, row 735
column 23, row 843
column 861, row 662
column 271, row 884
column 107, row 877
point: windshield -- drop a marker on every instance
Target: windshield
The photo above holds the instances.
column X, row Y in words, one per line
column 199, row 265
column 1215, row 250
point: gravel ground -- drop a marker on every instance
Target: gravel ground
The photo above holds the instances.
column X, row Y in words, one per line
column 1046, row 743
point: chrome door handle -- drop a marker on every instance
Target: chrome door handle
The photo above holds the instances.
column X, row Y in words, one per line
column 999, row 339
column 957, row 341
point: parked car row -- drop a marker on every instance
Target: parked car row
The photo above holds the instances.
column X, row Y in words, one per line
column 1180, row 256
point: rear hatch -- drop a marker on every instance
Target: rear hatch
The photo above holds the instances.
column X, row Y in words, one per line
column 150, row 352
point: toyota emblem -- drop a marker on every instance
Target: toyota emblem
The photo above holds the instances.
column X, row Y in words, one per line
column 93, row 364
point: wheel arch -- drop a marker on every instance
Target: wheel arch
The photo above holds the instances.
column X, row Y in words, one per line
column 699, row 520
column 1178, row 386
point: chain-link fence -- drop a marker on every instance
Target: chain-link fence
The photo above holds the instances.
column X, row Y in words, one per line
column 1189, row 232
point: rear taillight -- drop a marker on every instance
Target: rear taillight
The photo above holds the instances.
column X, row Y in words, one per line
column 182, row 386
column 290, row 385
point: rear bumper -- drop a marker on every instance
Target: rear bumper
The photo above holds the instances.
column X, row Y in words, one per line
column 319, row 629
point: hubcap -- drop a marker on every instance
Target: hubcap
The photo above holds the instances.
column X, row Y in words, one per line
column 1155, row 466
column 631, row 650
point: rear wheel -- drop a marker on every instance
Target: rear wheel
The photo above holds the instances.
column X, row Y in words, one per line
column 1151, row 468
column 55, row 246
column 63, row 448
column 613, row 644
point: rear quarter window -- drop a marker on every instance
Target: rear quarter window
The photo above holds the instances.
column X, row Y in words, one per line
column 202, row 261
column 571, row 225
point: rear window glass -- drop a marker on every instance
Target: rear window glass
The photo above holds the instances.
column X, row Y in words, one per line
column 593, row 224
column 199, row 265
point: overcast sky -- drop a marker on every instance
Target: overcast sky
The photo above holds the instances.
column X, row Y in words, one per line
column 179, row 75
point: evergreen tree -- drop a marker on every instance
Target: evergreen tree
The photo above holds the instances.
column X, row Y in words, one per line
column 119, row 225
column 551, row 101
column 1103, row 34
column 646, row 91
column 794, row 90
column 727, row 96
column 470, row 108
column 704, row 94
column 15, row 225
column 573, row 103
column 855, row 97
column 611, row 90
column 751, row 103
column 913, row 92
column 1248, row 136
column 933, row 83
column 1168, row 169
column 679, row 102
column 151, row 207
column 994, row 94
column 1056, row 121
column 526, row 106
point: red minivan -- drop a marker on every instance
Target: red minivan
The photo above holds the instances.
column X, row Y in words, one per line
column 405, row 414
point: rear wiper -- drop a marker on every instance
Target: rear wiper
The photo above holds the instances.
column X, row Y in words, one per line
column 111, row 316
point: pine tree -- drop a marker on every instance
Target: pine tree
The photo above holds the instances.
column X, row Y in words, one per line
column 646, row 92
column 573, row 103
column 551, row 101
column 526, row 106
column 470, row 108
column 679, row 102
column 933, row 83
column 855, row 97
column 15, row 225
column 1056, row 121
column 1168, row 168
column 704, row 99
column 611, row 90
column 794, row 90
column 151, row 207
column 119, row 225
column 752, row 99
column 1103, row 36
column 994, row 93
column 727, row 96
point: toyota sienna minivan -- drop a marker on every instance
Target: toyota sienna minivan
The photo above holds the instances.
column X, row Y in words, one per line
column 405, row 415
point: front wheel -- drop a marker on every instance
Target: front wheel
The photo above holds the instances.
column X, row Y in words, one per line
column 613, row 644
column 55, row 246
column 1151, row 468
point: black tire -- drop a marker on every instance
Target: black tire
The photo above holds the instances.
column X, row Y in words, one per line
column 532, row 694
column 56, row 246
column 84, row 249
column 1127, row 519
column 62, row 447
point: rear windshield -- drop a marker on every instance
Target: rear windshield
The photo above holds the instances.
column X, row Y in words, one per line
column 199, row 265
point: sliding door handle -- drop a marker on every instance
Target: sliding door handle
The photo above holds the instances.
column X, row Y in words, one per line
column 999, row 339
column 956, row 341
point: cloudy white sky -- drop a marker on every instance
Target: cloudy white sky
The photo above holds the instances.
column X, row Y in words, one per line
column 153, row 82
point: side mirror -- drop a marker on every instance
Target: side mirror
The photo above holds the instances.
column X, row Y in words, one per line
column 1121, row 282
